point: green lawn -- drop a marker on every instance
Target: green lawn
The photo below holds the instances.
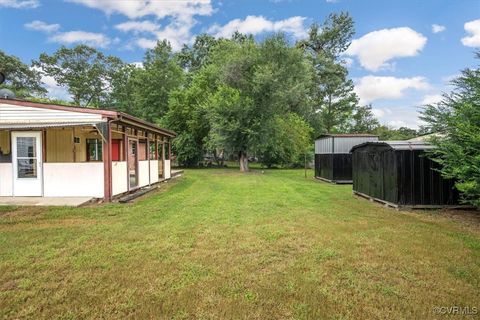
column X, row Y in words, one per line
column 217, row 244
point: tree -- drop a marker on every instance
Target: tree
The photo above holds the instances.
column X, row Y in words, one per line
column 85, row 72
column 188, row 116
column 21, row 78
column 153, row 83
column 363, row 120
column 456, row 120
column 389, row 133
column 333, row 96
column 289, row 140
column 255, row 84
column 121, row 96
column 192, row 58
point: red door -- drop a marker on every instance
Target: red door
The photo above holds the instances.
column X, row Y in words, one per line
column 116, row 149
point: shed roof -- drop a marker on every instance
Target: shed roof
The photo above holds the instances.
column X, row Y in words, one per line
column 346, row 135
column 110, row 114
column 398, row 145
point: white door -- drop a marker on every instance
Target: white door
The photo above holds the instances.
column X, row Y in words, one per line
column 27, row 163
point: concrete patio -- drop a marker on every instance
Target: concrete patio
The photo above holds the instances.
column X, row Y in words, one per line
column 44, row 201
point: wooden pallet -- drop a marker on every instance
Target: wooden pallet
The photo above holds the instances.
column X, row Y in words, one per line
column 414, row 207
column 335, row 181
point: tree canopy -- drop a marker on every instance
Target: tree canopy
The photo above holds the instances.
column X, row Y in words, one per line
column 456, row 124
column 235, row 98
column 21, row 78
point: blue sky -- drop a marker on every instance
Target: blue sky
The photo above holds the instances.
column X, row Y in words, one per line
column 404, row 52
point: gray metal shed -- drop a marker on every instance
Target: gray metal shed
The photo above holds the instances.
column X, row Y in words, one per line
column 333, row 160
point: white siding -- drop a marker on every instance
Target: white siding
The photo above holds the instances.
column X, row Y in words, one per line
column 167, row 173
column 153, row 171
column 14, row 114
column 143, row 175
column 73, row 179
column 6, row 176
column 119, row 177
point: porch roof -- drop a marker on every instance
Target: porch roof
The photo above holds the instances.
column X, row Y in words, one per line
column 111, row 115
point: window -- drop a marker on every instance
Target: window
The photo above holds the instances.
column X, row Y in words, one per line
column 152, row 150
column 160, row 148
column 26, row 157
column 167, row 151
column 94, row 150
column 142, row 150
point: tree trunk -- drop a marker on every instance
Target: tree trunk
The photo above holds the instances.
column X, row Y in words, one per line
column 243, row 161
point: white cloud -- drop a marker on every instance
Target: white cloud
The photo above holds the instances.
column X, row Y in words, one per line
column 88, row 38
column 145, row 43
column 431, row 99
column 42, row 26
column 436, row 28
column 397, row 124
column 397, row 116
column 378, row 113
column 375, row 49
column 473, row 29
column 177, row 31
column 159, row 9
column 259, row 24
column 137, row 26
column 371, row 88
column 54, row 91
column 19, row 4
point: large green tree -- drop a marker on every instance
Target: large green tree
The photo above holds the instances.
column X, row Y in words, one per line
column 154, row 82
column 256, row 83
column 333, row 95
column 363, row 120
column 84, row 71
column 188, row 115
column 21, row 78
column 193, row 57
column 456, row 122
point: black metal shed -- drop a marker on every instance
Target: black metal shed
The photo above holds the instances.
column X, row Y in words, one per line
column 399, row 174
column 333, row 160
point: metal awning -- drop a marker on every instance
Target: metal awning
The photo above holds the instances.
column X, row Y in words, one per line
column 38, row 125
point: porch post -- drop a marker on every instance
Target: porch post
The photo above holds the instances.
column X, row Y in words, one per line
column 169, row 150
column 163, row 158
column 148, row 158
column 107, row 163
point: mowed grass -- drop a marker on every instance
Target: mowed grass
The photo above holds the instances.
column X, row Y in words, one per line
column 217, row 244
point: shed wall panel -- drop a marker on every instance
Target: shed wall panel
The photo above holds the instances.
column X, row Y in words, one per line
column 323, row 145
column 345, row 144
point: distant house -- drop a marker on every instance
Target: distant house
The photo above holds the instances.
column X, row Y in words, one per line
column 333, row 160
column 51, row 150
column 399, row 174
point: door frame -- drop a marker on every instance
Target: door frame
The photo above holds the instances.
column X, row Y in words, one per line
column 136, row 164
column 39, row 157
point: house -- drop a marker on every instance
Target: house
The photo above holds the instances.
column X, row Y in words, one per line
column 399, row 174
column 49, row 150
column 333, row 160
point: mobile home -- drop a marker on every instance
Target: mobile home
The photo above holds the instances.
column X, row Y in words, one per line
column 49, row 150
